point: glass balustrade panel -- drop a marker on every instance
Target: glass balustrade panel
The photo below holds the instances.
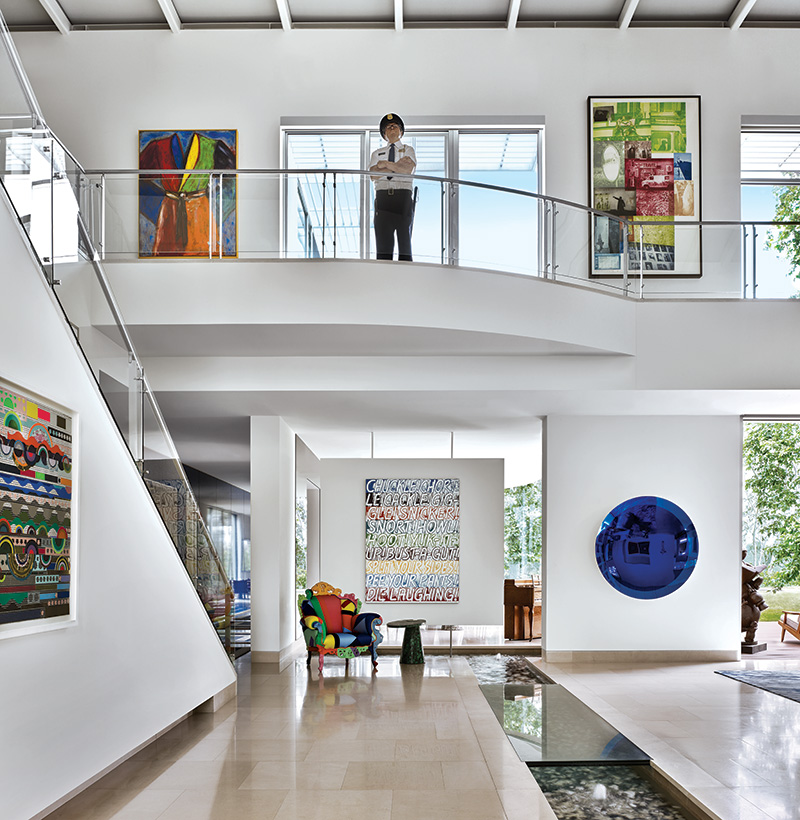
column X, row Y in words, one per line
column 173, row 497
column 250, row 214
column 703, row 262
column 104, row 345
column 568, row 248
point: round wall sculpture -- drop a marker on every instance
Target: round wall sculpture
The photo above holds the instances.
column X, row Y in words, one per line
column 647, row 547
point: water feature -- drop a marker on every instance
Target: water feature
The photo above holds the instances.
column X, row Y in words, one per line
column 585, row 767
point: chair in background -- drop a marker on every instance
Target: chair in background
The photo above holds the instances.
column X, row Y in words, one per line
column 333, row 624
column 522, row 602
column 789, row 622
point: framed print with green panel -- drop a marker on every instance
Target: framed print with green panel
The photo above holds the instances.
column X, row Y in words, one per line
column 644, row 170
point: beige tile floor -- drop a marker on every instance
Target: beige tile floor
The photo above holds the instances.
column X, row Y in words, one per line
column 421, row 742
column 734, row 747
column 406, row 743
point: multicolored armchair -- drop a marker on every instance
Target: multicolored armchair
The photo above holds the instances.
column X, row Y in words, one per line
column 332, row 624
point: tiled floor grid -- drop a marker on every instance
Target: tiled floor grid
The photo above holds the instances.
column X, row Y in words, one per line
column 421, row 743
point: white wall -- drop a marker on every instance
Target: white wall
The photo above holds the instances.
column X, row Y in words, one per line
column 272, row 514
column 98, row 88
column 342, row 530
column 141, row 652
column 594, row 463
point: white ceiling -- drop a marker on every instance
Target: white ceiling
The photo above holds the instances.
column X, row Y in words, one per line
column 68, row 15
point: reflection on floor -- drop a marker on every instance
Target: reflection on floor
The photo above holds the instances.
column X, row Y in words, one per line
column 465, row 639
column 422, row 742
column 407, row 743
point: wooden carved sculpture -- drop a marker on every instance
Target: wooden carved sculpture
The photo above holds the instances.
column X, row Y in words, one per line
column 753, row 603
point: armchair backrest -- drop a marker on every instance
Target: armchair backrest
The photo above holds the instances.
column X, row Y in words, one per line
column 331, row 612
column 336, row 610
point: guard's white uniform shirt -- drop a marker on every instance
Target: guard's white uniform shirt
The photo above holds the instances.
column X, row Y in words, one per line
column 401, row 150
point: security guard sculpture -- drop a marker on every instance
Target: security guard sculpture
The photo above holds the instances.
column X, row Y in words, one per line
column 394, row 198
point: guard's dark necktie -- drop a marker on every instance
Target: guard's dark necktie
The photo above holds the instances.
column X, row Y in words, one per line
column 391, row 155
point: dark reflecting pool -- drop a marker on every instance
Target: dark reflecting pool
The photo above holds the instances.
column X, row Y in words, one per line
column 585, row 767
column 505, row 669
column 600, row 792
column 548, row 725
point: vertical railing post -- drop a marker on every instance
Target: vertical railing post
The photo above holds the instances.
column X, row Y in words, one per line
column 334, row 214
column 553, row 246
column 744, row 261
column 546, row 239
column 441, row 220
column 755, row 281
column 220, row 211
column 136, row 411
column 623, row 226
column 324, row 205
column 641, row 261
column 210, row 218
column 52, row 275
column 103, row 216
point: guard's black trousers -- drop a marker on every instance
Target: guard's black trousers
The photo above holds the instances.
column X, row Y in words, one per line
column 393, row 215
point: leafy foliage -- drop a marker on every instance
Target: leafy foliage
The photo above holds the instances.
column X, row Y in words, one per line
column 786, row 240
column 772, row 498
column 523, row 530
column 300, row 542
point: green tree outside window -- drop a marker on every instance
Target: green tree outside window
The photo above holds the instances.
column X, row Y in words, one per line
column 523, row 531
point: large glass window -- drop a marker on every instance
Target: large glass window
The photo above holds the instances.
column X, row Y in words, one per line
column 223, row 527
column 323, row 211
column 771, row 192
column 480, row 227
column 497, row 229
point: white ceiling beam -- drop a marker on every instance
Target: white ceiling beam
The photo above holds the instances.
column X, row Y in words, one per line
column 171, row 15
column 57, row 15
column 286, row 15
column 398, row 15
column 741, row 11
column 513, row 13
column 626, row 15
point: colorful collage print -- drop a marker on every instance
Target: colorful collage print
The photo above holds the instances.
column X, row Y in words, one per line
column 35, row 509
column 413, row 540
column 645, row 161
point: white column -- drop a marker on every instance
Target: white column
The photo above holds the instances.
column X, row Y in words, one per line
column 272, row 539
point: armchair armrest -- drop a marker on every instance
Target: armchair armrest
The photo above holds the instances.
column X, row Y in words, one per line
column 368, row 622
column 312, row 624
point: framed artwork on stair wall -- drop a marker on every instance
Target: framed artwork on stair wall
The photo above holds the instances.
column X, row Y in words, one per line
column 645, row 180
column 36, row 480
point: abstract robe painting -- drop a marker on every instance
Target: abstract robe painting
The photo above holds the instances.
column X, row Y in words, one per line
column 413, row 540
column 644, row 154
column 35, row 508
column 187, row 214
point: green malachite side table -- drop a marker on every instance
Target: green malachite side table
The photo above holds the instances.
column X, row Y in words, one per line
column 412, row 640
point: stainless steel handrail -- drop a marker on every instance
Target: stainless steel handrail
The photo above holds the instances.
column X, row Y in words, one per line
column 156, row 172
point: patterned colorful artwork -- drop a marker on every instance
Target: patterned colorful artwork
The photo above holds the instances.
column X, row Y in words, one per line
column 35, row 509
column 186, row 214
column 645, row 168
column 412, row 540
